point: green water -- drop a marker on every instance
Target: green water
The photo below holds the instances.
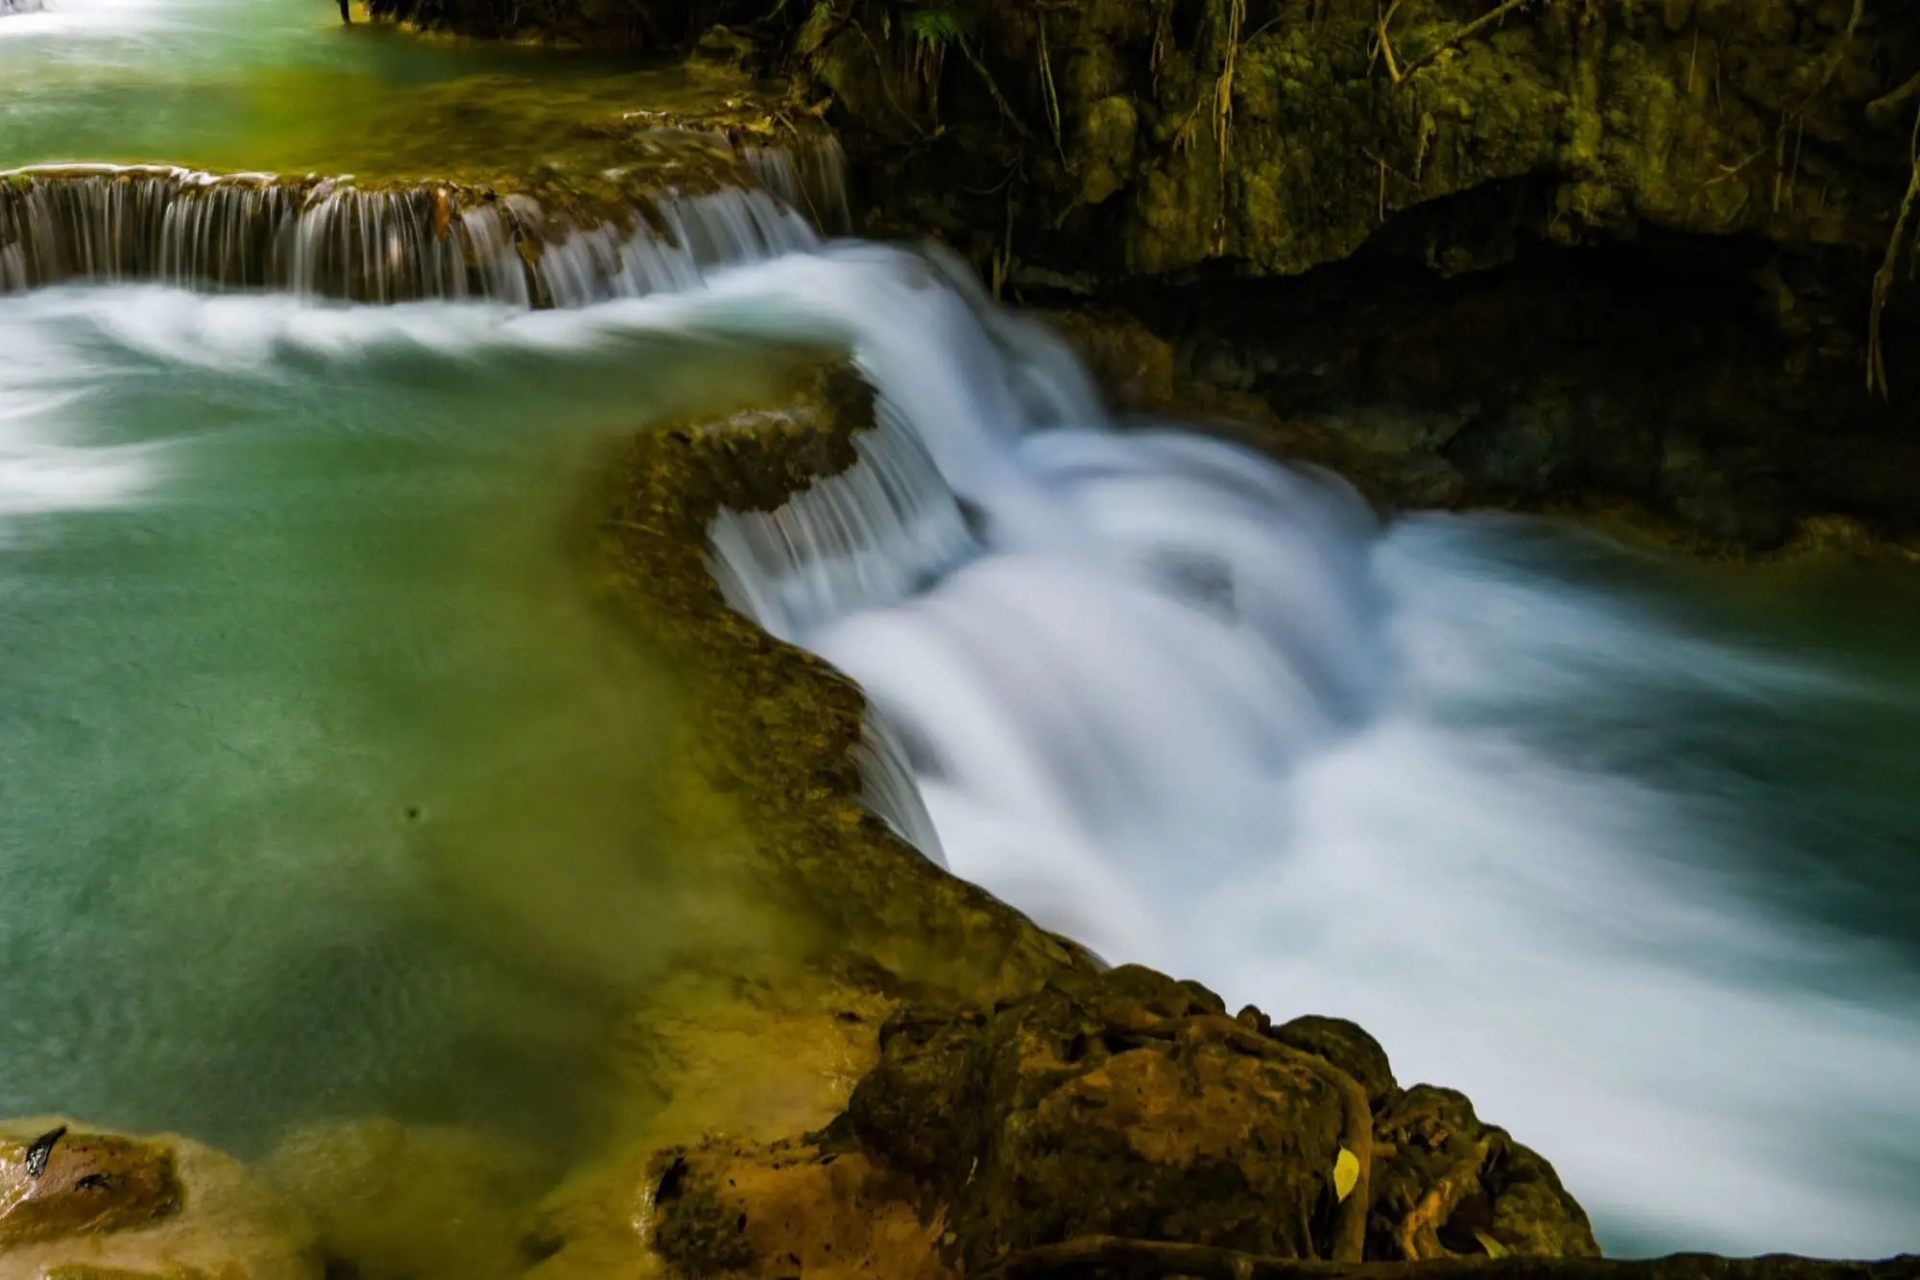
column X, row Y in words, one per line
column 282, row 86
column 323, row 771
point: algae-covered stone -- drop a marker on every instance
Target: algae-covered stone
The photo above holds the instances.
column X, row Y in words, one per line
column 64, row 1182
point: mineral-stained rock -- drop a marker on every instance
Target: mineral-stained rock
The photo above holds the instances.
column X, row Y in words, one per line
column 93, row 1205
column 780, row 731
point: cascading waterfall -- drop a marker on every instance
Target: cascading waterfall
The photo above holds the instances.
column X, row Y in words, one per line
column 326, row 238
column 1196, row 708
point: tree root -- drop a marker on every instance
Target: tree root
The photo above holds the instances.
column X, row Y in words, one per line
column 1223, row 111
column 1418, row 1234
column 1464, row 34
column 1889, row 267
column 1885, row 110
column 1114, row 1258
column 1051, row 94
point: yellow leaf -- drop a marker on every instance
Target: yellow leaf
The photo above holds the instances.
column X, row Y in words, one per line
column 1346, row 1173
column 1493, row 1247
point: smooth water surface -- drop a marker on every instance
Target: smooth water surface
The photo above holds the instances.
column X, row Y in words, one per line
column 281, row 86
column 324, row 783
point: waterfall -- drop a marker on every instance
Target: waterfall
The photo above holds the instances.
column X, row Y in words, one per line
column 1197, row 708
column 20, row 6
column 329, row 238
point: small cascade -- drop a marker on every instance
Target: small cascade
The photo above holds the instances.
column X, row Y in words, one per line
column 331, row 238
column 866, row 538
column 810, row 174
column 8, row 7
column 889, row 787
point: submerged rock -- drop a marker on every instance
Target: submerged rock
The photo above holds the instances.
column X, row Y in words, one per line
column 90, row 1203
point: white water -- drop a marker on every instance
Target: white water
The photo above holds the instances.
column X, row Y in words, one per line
column 1195, row 709
column 1199, row 710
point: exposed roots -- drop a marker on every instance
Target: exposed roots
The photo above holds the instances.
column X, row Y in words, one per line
column 993, row 87
column 1889, row 267
column 1050, row 93
column 1223, row 110
column 1418, row 1234
column 1464, row 34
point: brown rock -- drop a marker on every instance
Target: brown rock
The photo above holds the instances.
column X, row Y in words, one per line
column 1128, row 1105
column 109, row 1206
column 789, row 1209
column 86, row 1184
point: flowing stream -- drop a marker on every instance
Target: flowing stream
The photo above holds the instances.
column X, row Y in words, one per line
column 318, row 758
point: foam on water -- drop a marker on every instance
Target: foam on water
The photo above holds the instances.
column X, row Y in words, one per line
column 1201, row 710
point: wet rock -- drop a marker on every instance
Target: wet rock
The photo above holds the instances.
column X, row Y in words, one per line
column 106, row 1206
column 68, row 1183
